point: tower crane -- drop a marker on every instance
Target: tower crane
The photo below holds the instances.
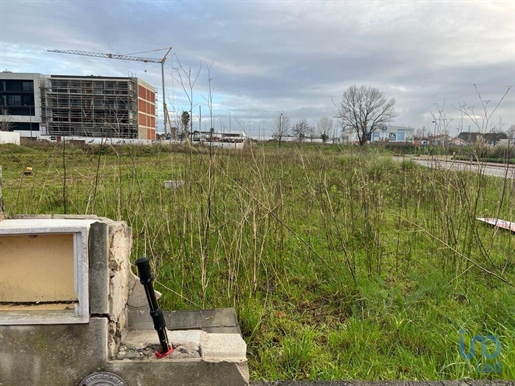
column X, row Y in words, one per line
column 135, row 58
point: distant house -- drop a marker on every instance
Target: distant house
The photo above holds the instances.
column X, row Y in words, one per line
column 457, row 141
column 495, row 139
column 469, row 138
column 440, row 139
column 492, row 139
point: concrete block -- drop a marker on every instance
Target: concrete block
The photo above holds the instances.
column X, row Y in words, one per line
column 31, row 216
column 98, row 268
column 186, row 372
column 137, row 295
column 223, row 347
column 184, row 337
column 173, row 184
column 119, row 267
column 220, row 320
column 57, row 355
column 119, row 237
column 76, row 217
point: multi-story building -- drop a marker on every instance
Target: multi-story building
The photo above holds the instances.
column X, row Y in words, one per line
column 79, row 106
column 20, row 108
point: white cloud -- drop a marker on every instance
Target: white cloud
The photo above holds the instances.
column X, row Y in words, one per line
column 272, row 56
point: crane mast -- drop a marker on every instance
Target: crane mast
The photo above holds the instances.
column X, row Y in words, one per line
column 134, row 58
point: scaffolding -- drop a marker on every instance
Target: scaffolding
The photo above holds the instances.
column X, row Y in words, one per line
column 90, row 106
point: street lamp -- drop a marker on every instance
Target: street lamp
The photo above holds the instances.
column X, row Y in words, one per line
column 335, row 130
column 30, row 117
column 280, row 128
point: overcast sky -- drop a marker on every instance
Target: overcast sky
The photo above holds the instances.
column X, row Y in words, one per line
column 268, row 57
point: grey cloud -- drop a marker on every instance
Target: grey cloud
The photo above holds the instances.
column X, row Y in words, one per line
column 290, row 56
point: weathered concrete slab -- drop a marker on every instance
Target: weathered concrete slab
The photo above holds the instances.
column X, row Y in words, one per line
column 182, row 337
column 223, row 347
column 57, row 355
column 139, row 339
column 181, row 373
column 220, row 320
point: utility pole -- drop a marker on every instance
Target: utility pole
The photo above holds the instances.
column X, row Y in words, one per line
column 30, row 117
column 199, row 119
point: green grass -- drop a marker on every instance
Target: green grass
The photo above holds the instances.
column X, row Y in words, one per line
column 341, row 263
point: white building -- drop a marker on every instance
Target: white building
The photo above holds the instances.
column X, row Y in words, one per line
column 389, row 133
column 20, row 103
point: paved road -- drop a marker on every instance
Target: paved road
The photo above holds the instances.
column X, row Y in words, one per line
column 486, row 168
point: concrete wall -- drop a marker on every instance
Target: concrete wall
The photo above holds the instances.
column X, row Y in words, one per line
column 63, row 354
column 9, row 137
column 57, row 355
column 146, row 111
column 209, row 349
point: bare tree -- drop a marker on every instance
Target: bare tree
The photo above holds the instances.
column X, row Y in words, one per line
column 363, row 110
column 301, row 129
column 441, row 125
column 5, row 119
column 209, row 98
column 482, row 119
column 420, row 134
column 282, row 128
column 187, row 80
column 511, row 132
column 324, row 127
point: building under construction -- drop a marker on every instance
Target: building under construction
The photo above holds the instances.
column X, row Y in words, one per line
column 98, row 107
column 91, row 106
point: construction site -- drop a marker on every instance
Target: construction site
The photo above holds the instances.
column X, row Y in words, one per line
column 82, row 106
column 98, row 107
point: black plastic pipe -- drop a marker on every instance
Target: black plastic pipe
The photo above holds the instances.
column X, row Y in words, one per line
column 146, row 278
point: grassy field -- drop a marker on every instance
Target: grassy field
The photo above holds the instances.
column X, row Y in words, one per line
column 341, row 263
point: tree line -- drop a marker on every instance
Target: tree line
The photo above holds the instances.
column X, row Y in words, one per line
column 361, row 111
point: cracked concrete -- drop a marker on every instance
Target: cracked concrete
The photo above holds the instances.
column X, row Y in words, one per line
column 208, row 347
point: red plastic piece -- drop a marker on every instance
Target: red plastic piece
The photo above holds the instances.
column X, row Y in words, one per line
column 159, row 354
